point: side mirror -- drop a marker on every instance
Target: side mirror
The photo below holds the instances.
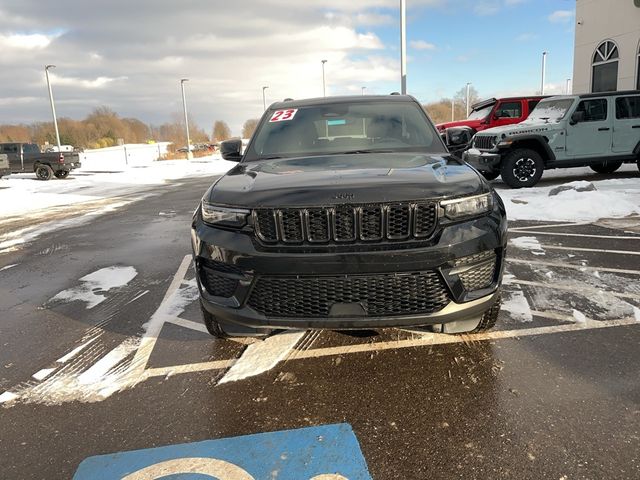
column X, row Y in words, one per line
column 231, row 149
column 576, row 117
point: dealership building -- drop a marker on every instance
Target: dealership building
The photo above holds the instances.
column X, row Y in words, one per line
column 607, row 46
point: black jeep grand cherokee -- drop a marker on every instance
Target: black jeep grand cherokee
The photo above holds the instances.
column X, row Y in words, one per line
column 348, row 212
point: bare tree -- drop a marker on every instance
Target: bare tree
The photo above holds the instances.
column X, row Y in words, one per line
column 221, row 131
column 249, row 127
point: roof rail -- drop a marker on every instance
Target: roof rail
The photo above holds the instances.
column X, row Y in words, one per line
column 394, row 93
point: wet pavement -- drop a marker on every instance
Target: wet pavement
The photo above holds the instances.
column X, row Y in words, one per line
column 552, row 392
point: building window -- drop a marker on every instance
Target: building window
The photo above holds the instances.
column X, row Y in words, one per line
column 604, row 76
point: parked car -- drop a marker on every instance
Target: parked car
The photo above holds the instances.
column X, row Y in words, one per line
column 493, row 112
column 343, row 213
column 599, row 130
column 27, row 157
column 4, row 165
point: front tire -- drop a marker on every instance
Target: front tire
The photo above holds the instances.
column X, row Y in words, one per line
column 522, row 168
column 606, row 167
column 44, row 172
column 213, row 326
column 62, row 174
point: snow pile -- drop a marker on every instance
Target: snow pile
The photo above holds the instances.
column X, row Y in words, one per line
column 96, row 284
column 528, row 243
column 120, row 157
column 609, row 199
column 21, row 194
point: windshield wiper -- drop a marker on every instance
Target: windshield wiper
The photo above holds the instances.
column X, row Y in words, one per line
column 372, row 150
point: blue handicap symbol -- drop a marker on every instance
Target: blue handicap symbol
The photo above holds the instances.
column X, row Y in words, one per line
column 328, row 452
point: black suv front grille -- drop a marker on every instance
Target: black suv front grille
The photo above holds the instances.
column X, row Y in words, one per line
column 484, row 142
column 346, row 223
column 378, row 295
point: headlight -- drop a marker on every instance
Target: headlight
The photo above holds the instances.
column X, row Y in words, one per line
column 223, row 216
column 468, row 206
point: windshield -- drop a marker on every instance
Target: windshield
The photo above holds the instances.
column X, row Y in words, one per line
column 550, row 110
column 481, row 113
column 345, row 128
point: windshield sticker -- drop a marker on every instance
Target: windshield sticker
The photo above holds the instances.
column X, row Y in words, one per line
column 341, row 121
column 283, row 115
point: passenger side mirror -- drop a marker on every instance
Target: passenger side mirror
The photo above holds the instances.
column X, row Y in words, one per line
column 576, row 117
column 231, row 149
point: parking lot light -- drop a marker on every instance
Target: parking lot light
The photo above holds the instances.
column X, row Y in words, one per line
column 186, row 118
column 264, row 101
column 53, row 107
column 403, row 47
column 324, row 91
column 544, row 68
column 467, row 99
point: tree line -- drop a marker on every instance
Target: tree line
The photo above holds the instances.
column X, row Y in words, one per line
column 105, row 128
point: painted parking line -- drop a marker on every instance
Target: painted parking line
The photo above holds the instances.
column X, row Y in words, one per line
column 582, row 289
column 328, row 452
column 582, row 249
column 578, row 235
column 582, row 268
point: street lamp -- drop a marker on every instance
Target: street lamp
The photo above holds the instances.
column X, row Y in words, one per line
column 403, row 47
column 264, row 101
column 544, row 68
column 453, row 109
column 363, row 89
column 186, row 118
column 324, row 91
column 53, row 107
column 568, row 86
column 468, row 85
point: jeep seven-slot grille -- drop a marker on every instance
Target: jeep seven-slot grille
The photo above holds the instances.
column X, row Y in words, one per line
column 346, row 223
column 376, row 295
column 484, row 142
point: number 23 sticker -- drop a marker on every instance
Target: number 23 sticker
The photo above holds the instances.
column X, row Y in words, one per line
column 283, row 115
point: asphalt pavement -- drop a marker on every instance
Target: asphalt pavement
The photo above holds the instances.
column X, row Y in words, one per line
column 552, row 392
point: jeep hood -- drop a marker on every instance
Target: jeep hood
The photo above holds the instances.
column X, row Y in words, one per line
column 522, row 128
column 475, row 124
column 349, row 178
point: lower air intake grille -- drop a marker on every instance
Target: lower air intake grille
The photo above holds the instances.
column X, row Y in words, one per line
column 379, row 294
column 480, row 275
column 218, row 285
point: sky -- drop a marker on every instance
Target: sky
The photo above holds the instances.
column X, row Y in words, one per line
column 131, row 55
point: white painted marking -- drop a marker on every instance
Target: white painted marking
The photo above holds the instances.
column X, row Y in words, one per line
column 199, row 327
column 533, row 227
column 209, row 467
column 162, row 314
column 528, row 243
column 7, row 397
column 582, row 268
column 99, row 369
column 262, row 356
column 582, row 288
column 44, row 373
column 7, row 267
column 423, row 340
column 581, row 235
column 598, row 250
column 77, row 350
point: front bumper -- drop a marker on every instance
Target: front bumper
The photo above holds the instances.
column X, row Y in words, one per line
column 240, row 259
column 482, row 161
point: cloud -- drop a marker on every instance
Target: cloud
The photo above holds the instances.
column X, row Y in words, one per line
column 561, row 16
column 487, row 7
column 36, row 41
column 98, row 82
column 526, row 37
column 421, row 45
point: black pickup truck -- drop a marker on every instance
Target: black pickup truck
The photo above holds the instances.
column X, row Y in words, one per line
column 27, row 157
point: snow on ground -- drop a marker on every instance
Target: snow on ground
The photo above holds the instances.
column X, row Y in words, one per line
column 21, row 194
column 517, row 305
column 528, row 243
column 96, row 284
column 610, row 199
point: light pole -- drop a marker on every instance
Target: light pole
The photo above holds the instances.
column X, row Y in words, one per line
column 544, row 68
column 453, row 109
column 324, row 91
column 53, row 107
column 467, row 102
column 186, row 118
column 568, row 92
column 264, row 101
column 403, row 47
column 363, row 89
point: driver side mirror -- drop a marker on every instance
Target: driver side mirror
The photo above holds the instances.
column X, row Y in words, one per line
column 576, row 117
column 231, row 149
